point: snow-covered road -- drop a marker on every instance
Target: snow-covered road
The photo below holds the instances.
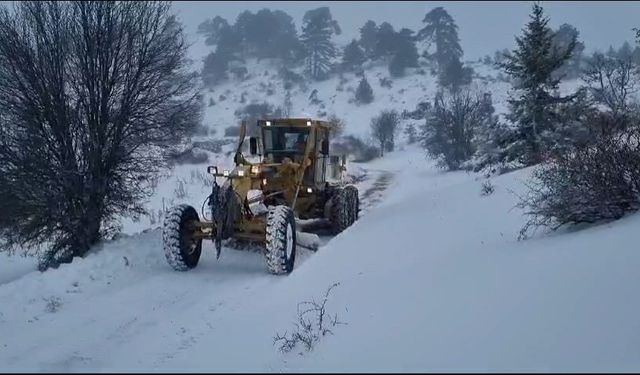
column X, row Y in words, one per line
column 122, row 306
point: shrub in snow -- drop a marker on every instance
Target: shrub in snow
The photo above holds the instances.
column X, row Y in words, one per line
column 487, row 188
column 313, row 323
column 53, row 304
column 595, row 181
column 385, row 82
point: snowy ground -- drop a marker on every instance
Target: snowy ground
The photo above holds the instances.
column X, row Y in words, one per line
column 431, row 278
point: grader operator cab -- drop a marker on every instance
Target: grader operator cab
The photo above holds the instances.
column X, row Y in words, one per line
column 260, row 201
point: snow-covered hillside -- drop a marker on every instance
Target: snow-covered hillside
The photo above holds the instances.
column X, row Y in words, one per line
column 431, row 278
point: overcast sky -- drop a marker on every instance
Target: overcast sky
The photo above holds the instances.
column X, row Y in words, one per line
column 483, row 26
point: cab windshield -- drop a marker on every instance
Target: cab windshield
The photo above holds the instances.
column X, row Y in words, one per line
column 281, row 139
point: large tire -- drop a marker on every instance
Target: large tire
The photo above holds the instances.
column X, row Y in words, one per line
column 353, row 199
column 340, row 212
column 181, row 251
column 280, row 240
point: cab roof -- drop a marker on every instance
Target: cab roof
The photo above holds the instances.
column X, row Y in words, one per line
column 299, row 121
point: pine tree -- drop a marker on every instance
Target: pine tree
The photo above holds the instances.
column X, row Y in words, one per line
column 353, row 56
column 562, row 39
column 364, row 93
column 625, row 52
column 386, row 38
column 531, row 66
column 317, row 29
column 490, row 139
column 454, row 75
column 215, row 68
column 405, row 53
column 368, row 38
column 442, row 30
column 212, row 28
column 635, row 56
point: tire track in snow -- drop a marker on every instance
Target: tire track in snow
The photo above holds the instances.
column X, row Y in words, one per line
column 375, row 194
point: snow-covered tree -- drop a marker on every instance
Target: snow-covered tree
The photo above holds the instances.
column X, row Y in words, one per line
column 353, row 56
column 369, row 38
column 364, row 92
column 212, row 29
column 440, row 29
column 534, row 107
column 562, row 39
column 317, row 29
column 405, row 53
column 454, row 75
column 386, row 38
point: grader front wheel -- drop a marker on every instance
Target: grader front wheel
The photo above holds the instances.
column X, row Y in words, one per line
column 280, row 240
column 181, row 248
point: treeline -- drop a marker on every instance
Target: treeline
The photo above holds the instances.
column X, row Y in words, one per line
column 273, row 34
column 585, row 142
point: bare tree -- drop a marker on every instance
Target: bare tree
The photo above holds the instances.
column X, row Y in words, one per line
column 451, row 126
column 612, row 81
column 384, row 128
column 94, row 95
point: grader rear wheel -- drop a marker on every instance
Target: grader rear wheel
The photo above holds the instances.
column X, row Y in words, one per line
column 353, row 200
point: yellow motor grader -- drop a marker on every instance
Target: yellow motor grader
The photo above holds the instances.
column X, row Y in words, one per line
column 260, row 201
